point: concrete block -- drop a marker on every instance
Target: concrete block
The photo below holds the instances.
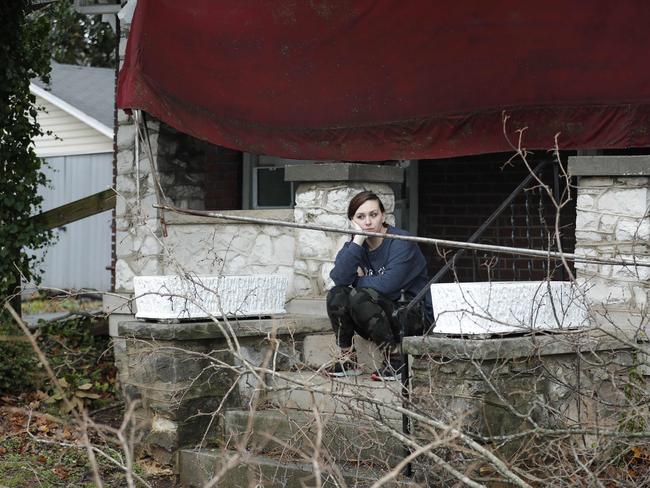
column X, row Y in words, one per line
column 304, row 390
column 114, row 303
column 609, row 165
column 178, row 297
column 290, row 325
column 344, row 172
column 503, row 307
column 344, row 438
column 197, row 468
column 114, row 321
column 307, row 306
column 321, row 350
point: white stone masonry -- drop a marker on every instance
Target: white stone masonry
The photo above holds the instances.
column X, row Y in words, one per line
column 326, row 204
column 612, row 221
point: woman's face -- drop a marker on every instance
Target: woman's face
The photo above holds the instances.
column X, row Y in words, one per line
column 369, row 216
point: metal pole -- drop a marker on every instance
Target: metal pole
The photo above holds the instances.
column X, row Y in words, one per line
column 400, row 315
column 540, row 254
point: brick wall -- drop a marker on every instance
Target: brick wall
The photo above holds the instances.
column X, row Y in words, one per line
column 223, row 179
column 457, row 195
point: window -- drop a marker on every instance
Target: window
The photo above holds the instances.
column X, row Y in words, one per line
column 264, row 185
column 269, row 188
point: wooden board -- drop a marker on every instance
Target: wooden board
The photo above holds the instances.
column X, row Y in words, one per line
column 77, row 210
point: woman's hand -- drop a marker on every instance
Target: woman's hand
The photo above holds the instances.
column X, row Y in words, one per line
column 358, row 239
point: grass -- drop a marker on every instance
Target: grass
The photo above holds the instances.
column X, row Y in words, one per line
column 66, row 303
column 43, row 450
column 27, row 462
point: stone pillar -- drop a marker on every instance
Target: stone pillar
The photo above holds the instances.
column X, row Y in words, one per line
column 322, row 198
column 138, row 228
column 613, row 221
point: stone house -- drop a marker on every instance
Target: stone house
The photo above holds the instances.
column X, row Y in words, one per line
column 447, row 194
column 444, row 191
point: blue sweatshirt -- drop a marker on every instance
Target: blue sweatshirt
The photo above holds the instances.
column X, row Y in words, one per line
column 393, row 266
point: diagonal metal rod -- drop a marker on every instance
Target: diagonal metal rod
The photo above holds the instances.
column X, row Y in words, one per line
column 478, row 233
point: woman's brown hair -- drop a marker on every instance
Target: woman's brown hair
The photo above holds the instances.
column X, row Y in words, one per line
column 361, row 198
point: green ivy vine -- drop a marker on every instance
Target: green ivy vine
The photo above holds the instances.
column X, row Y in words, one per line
column 23, row 55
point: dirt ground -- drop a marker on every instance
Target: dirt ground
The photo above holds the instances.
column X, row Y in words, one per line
column 41, row 444
column 42, row 450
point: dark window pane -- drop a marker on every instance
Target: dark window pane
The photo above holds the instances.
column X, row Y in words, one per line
column 272, row 190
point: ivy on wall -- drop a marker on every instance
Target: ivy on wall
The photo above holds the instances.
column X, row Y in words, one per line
column 23, row 55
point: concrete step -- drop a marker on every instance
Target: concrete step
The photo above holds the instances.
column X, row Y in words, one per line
column 357, row 396
column 198, row 467
column 321, row 349
column 307, row 306
column 343, row 438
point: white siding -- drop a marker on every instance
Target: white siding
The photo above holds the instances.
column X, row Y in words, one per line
column 74, row 136
column 83, row 251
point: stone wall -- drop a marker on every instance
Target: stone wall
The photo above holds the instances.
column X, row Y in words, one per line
column 185, row 375
column 326, row 204
column 613, row 222
column 137, row 224
column 212, row 247
column 504, row 386
column 196, row 174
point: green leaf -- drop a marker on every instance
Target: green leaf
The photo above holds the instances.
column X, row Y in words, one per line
column 85, row 394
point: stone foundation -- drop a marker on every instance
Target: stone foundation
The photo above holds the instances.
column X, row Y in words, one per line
column 500, row 387
column 185, row 375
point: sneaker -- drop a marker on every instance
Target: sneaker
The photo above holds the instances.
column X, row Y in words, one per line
column 343, row 368
column 390, row 371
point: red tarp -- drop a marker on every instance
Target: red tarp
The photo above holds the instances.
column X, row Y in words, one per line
column 392, row 79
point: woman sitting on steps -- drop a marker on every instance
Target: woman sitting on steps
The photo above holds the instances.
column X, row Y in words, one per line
column 369, row 273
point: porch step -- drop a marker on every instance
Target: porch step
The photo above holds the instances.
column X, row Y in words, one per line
column 320, row 349
column 357, row 396
column 307, row 306
column 198, row 467
column 343, row 438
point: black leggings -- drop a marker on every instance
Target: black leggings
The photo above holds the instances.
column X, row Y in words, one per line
column 368, row 313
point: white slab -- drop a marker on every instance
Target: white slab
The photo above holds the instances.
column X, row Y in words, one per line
column 196, row 297
column 506, row 307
